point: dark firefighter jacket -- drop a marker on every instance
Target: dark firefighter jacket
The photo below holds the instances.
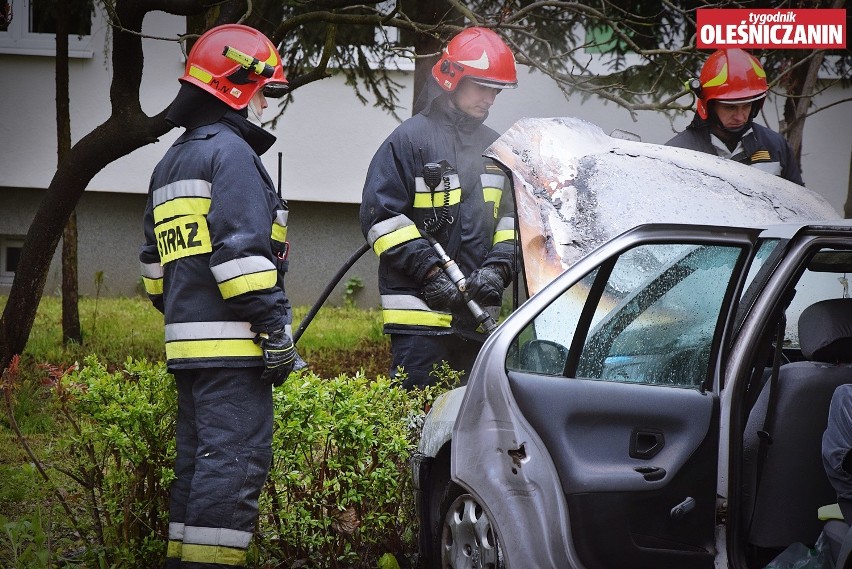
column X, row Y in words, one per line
column 214, row 229
column 760, row 147
column 397, row 204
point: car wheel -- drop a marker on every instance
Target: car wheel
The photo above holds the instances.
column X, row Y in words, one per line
column 468, row 540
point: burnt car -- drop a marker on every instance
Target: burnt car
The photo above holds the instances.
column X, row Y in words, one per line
column 659, row 399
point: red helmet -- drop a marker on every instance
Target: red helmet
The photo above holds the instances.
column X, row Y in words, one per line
column 232, row 62
column 731, row 75
column 480, row 54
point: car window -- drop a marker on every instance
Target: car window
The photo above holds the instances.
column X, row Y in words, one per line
column 652, row 321
column 818, row 282
column 542, row 347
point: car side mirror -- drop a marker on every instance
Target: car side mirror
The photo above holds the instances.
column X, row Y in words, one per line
column 544, row 356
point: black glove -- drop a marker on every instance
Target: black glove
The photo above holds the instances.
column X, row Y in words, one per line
column 485, row 285
column 441, row 293
column 279, row 356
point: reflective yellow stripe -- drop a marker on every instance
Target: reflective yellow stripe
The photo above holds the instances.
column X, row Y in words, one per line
column 493, row 195
column 719, row 79
column 273, row 57
column 182, row 237
column 200, row 74
column 504, row 235
column 153, row 286
column 211, row 349
column 181, row 206
column 394, row 238
column 213, row 554
column 248, row 283
column 437, row 199
column 279, row 232
column 417, row 318
column 173, row 549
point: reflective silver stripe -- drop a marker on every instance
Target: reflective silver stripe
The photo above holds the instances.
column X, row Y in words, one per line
column 281, row 216
column 493, row 181
column 176, row 531
column 205, row 330
column 769, row 167
column 505, row 224
column 217, row 536
column 420, row 184
column 404, row 302
column 239, row 267
column 181, row 189
column 151, row 270
column 387, row 226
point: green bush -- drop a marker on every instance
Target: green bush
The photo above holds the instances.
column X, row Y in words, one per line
column 339, row 491
column 120, row 453
column 338, row 494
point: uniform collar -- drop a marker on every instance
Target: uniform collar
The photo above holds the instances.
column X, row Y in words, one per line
column 256, row 137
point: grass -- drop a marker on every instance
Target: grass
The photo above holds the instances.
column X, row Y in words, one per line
column 339, row 339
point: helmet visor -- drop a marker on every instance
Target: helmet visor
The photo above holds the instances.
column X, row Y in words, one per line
column 275, row 90
column 493, row 84
column 741, row 101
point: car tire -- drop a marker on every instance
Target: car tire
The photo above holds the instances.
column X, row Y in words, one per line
column 465, row 536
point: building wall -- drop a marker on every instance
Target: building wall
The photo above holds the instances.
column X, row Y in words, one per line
column 326, row 139
column 322, row 236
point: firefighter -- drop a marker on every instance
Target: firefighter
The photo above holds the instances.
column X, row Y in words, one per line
column 213, row 263
column 730, row 93
column 470, row 212
column 837, row 448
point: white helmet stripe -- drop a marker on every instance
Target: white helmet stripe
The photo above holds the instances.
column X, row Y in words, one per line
column 481, row 63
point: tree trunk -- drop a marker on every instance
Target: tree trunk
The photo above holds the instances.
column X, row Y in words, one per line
column 70, row 311
column 127, row 129
column 71, row 331
column 432, row 12
column 796, row 107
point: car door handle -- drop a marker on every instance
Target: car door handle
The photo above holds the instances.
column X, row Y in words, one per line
column 683, row 508
column 646, row 443
column 651, row 473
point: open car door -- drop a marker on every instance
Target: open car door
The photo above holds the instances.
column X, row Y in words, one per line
column 589, row 429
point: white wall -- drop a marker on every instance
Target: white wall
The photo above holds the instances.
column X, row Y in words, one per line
column 327, row 137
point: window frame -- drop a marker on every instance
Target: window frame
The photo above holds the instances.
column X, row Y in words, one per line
column 651, row 297
column 6, row 243
column 570, row 355
column 18, row 40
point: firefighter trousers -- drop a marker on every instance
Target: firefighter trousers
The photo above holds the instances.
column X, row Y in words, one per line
column 418, row 355
column 224, row 450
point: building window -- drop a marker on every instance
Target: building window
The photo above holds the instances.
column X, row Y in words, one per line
column 32, row 29
column 10, row 256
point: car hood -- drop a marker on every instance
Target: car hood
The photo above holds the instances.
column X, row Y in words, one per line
column 577, row 187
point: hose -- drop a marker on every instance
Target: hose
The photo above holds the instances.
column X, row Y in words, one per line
column 327, row 291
